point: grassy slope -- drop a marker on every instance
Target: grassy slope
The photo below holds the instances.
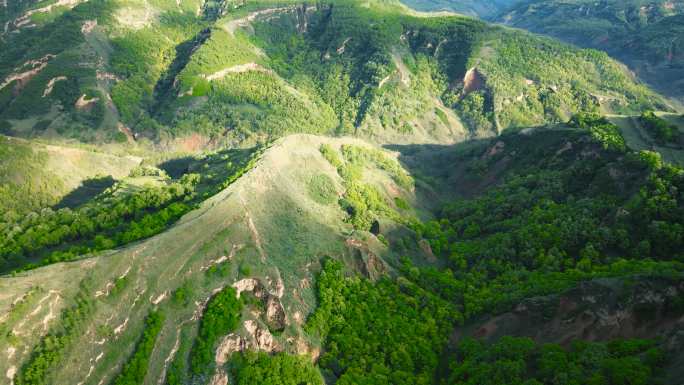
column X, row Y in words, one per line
column 267, row 220
column 390, row 84
column 271, row 224
column 638, row 137
column 35, row 175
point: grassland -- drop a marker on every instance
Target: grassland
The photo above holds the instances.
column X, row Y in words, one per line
column 35, row 175
column 278, row 242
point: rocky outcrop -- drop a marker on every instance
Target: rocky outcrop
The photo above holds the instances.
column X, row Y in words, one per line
column 597, row 310
column 256, row 338
column 250, row 285
column 275, row 312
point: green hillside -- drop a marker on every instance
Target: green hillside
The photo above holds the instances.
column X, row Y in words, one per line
column 244, row 74
column 35, row 175
column 285, row 193
column 643, row 34
column 578, row 207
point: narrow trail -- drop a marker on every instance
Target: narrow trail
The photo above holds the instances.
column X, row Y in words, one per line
column 240, row 68
column 255, row 233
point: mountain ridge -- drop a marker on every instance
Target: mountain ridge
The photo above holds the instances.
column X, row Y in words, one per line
column 344, row 192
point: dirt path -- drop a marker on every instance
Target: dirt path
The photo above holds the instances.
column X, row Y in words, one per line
column 26, row 18
column 240, row 68
column 51, row 85
column 50, row 315
column 234, row 24
column 252, row 228
column 172, row 354
column 403, row 70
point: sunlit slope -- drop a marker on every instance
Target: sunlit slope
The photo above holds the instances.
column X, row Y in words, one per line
column 97, row 71
column 272, row 226
column 35, row 175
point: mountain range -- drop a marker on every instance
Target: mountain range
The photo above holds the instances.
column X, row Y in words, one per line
column 341, row 192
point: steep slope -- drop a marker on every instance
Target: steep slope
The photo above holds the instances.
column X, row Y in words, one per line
column 537, row 213
column 264, row 234
column 400, row 82
column 643, row 34
column 471, row 207
column 246, row 73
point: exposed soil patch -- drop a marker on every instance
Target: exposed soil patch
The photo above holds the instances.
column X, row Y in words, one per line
column 88, row 26
column 240, row 68
column 473, row 81
column 51, row 85
column 22, row 78
column 85, row 104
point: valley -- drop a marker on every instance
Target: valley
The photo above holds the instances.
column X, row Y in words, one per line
column 277, row 192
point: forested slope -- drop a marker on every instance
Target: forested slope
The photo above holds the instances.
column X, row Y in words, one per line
column 233, row 73
column 335, row 257
column 644, row 34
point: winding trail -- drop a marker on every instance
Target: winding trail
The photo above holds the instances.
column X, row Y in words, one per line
column 240, row 68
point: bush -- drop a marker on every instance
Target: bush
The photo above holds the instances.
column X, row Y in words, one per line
column 663, row 131
column 135, row 369
column 250, row 368
column 322, row 189
column 221, row 316
column 601, row 130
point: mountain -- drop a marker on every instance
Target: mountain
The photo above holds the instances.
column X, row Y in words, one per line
column 584, row 240
column 643, row 34
column 258, row 192
column 97, row 72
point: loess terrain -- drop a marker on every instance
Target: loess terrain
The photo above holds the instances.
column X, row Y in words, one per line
column 343, row 192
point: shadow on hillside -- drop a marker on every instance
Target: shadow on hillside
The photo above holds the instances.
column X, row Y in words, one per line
column 441, row 172
column 88, row 189
column 178, row 167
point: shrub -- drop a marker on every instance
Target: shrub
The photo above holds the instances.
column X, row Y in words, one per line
column 221, row 316
column 135, row 369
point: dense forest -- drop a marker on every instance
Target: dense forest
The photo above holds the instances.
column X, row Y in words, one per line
column 559, row 217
